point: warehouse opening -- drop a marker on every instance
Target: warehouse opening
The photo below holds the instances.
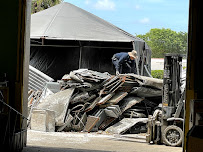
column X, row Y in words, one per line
column 75, row 98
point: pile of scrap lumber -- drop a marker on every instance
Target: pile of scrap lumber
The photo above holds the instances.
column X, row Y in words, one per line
column 86, row 100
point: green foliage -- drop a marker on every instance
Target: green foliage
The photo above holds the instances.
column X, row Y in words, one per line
column 39, row 5
column 159, row 74
column 163, row 41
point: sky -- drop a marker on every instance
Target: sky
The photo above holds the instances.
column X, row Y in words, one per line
column 139, row 16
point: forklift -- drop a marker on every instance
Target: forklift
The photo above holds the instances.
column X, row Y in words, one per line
column 165, row 126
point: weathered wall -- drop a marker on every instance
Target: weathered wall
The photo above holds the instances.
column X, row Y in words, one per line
column 14, row 59
column 194, row 82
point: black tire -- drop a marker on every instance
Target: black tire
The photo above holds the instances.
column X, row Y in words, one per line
column 173, row 136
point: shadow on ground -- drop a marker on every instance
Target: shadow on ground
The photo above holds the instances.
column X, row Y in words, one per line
column 57, row 149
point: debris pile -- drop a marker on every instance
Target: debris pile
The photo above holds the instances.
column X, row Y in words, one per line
column 86, row 100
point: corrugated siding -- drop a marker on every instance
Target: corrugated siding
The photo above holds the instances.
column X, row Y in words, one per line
column 37, row 79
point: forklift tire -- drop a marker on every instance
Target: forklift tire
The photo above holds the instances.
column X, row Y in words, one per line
column 173, row 136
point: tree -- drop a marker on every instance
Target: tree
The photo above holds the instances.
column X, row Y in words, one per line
column 39, row 5
column 163, row 41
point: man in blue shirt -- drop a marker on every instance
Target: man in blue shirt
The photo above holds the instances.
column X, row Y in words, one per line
column 124, row 62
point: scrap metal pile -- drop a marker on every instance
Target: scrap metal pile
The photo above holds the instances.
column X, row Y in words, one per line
column 86, row 100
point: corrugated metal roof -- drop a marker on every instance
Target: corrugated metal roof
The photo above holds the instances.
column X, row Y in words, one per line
column 68, row 22
column 37, row 79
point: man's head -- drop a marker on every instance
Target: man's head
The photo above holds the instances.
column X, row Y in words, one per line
column 132, row 54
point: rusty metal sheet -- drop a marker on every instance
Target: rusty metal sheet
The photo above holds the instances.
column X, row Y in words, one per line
column 146, row 92
column 106, row 122
column 82, row 75
column 94, row 75
column 132, row 113
column 91, row 122
column 117, row 97
column 113, row 84
column 79, row 97
column 93, row 104
column 132, row 80
column 105, row 99
column 129, row 102
column 125, row 88
column 145, row 81
column 66, row 77
column 102, row 116
column 114, row 88
column 125, row 124
column 75, row 77
column 113, row 111
column 112, row 80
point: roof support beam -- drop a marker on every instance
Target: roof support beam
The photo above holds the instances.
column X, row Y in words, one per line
column 80, row 58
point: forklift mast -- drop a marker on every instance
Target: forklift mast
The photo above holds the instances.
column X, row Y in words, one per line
column 171, row 84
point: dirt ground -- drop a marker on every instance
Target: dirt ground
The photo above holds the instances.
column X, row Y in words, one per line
column 89, row 142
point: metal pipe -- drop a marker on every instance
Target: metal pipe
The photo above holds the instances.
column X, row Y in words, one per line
column 13, row 109
column 54, row 45
column 137, row 67
column 147, row 71
column 108, row 47
column 142, row 66
column 99, row 47
column 80, row 57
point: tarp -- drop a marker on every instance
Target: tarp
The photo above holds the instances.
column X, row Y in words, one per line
column 64, row 25
column 68, row 22
column 53, row 61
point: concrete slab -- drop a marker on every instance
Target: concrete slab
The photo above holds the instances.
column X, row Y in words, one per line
column 87, row 142
column 43, row 120
column 59, row 103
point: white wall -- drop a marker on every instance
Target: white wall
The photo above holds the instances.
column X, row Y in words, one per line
column 158, row 63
